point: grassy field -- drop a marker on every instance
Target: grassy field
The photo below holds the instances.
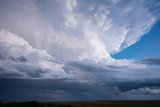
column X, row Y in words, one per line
column 84, row 104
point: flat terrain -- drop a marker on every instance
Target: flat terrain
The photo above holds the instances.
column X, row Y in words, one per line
column 84, row 104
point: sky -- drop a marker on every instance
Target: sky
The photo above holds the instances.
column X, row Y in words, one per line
column 74, row 50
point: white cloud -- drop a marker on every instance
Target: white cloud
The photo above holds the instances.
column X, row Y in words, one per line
column 15, row 46
column 72, row 31
column 20, row 59
column 150, row 90
column 154, row 90
column 76, row 30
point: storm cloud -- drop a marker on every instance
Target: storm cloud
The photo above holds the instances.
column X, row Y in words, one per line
column 78, row 30
column 64, row 47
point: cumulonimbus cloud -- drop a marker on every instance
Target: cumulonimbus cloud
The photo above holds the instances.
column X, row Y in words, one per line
column 74, row 30
column 77, row 30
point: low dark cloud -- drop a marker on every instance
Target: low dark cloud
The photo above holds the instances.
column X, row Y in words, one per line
column 153, row 61
column 89, row 67
column 130, row 85
column 66, row 90
column 19, row 59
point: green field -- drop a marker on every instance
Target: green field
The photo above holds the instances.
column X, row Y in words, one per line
column 84, row 104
